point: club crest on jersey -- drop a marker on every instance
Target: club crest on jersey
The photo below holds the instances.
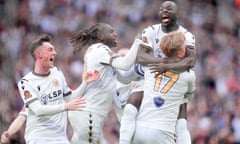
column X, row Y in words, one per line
column 55, row 82
column 158, row 101
column 27, row 94
column 145, row 40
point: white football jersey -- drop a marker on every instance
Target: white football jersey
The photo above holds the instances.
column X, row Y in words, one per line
column 99, row 94
column 163, row 96
column 153, row 34
column 49, row 90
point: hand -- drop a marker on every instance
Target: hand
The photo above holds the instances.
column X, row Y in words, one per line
column 5, row 137
column 76, row 104
column 92, row 76
column 158, row 68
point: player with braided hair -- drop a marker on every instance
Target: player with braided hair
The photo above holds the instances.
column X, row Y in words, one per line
column 96, row 42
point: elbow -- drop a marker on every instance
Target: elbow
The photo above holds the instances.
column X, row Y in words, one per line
column 126, row 66
column 141, row 60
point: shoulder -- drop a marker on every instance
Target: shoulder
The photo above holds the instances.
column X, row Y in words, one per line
column 55, row 69
column 99, row 49
column 27, row 78
column 98, row 46
column 152, row 28
column 185, row 31
column 189, row 37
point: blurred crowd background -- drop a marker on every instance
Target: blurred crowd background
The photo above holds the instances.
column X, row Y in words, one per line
column 214, row 113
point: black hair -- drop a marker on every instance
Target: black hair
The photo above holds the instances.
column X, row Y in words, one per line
column 38, row 42
column 86, row 37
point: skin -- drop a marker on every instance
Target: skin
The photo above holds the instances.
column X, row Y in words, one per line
column 20, row 120
column 108, row 36
column 15, row 126
column 168, row 19
column 45, row 56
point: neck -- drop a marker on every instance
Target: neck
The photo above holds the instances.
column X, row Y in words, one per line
column 40, row 69
column 170, row 28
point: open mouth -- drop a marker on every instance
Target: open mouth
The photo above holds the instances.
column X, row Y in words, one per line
column 115, row 43
column 165, row 19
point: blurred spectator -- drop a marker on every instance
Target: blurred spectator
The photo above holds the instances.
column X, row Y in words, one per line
column 213, row 115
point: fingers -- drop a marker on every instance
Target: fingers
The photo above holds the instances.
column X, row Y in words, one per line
column 92, row 76
column 76, row 104
column 96, row 74
column 80, row 100
column 5, row 137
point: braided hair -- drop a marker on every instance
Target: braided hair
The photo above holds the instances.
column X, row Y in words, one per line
column 86, row 37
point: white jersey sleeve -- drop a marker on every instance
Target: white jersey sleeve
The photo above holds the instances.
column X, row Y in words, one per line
column 148, row 36
column 126, row 62
column 191, row 87
column 99, row 94
column 27, row 92
column 190, row 39
column 104, row 52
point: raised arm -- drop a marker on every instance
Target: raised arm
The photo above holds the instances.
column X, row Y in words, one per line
column 88, row 77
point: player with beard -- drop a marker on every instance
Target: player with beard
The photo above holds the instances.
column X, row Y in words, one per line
column 97, row 42
column 152, row 36
column 163, row 95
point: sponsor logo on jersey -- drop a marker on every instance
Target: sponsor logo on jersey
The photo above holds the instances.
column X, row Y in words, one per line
column 45, row 98
column 27, row 94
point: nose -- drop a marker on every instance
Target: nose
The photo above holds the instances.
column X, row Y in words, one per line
column 115, row 34
column 54, row 52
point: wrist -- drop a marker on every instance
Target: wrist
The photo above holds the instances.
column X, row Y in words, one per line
column 64, row 107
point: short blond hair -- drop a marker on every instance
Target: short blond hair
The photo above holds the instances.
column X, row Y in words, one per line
column 171, row 43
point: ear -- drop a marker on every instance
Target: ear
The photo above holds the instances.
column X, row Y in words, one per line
column 180, row 53
column 101, row 37
column 38, row 54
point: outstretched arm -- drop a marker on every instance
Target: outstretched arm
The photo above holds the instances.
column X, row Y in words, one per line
column 126, row 62
column 40, row 110
column 15, row 126
column 88, row 77
column 145, row 57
